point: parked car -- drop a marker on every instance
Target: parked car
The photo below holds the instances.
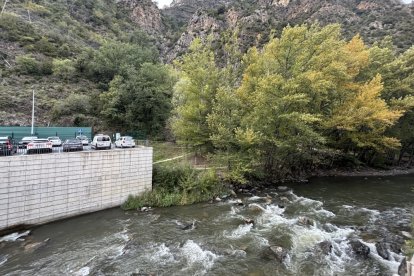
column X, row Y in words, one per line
column 6, row 146
column 101, row 141
column 72, row 145
column 84, row 139
column 56, row 142
column 26, row 140
column 125, row 142
column 39, row 146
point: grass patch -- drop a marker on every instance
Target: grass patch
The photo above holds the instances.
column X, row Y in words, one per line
column 165, row 150
column 177, row 185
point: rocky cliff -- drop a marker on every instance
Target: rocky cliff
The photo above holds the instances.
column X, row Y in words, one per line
column 255, row 19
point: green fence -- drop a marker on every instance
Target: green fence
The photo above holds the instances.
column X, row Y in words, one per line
column 18, row 133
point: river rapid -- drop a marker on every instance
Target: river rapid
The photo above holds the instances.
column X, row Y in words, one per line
column 218, row 238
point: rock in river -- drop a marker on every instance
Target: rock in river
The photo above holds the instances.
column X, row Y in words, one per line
column 402, row 269
column 383, row 250
column 325, row 247
column 305, row 221
column 282, row 189
column 278, row 252
column 359, row 248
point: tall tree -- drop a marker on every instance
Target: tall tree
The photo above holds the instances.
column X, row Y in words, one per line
column 140, row 100
column 194, row 95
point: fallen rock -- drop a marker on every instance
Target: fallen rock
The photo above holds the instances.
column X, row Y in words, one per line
column 359, row 248
column 233, row 193
column 279, row 252
column 402, row 268
column 248, row 221
column 282, row 189
column 383, row 250
column 217, row 199
column 189, row 226
column 239, row 202
column 145, row 209
column 256, row 207
column 325, row 247
column 285, row 199
column 407, row 235
column 305, row 221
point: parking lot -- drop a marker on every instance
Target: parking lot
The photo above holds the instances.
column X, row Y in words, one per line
column 46, row 146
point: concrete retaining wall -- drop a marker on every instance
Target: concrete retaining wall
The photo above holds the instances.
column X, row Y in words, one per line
column 36, row 189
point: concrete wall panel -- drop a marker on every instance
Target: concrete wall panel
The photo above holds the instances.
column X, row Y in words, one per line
column 35, row 189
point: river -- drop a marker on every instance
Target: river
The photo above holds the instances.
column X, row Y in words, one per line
column 114, row 242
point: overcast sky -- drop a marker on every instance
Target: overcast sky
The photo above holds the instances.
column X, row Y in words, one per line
column 162, row 3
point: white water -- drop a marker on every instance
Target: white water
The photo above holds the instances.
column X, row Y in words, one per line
column 220, row 244
column 14, row 236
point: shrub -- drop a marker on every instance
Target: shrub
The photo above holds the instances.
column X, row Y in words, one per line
column 63, row 68
column 74, row 104
column 177, row 185
column 29, row 65
column 14, row 28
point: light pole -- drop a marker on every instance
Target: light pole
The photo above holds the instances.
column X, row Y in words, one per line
column 33, row 105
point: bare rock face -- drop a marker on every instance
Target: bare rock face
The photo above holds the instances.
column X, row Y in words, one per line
column 200, row 26
column 145, row 14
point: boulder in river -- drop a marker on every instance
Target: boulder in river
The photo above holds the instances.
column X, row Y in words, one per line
column 402, row 269
column 284, row 199
column 278, row 252
column 383, row 250
column 248, row 221
column 256, row 207
column 325, row 247
column 359, row 248
column 189, row 226
column 305, row 221
column 407, row 235
column 282, row 189
column 239, row 202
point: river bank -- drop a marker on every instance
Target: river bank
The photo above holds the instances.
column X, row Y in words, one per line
column 364, row 172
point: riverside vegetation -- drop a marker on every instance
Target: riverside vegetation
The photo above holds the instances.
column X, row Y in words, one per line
column 308, row 100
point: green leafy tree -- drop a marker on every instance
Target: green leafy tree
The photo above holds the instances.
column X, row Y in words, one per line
column 194, row 94
column 140, row 100
column 116, row 58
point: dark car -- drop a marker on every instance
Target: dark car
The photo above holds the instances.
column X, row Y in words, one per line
column 73, row 145
column 6, row 146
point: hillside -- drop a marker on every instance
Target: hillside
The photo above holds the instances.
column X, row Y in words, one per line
column 53, row 47
column 255, row 19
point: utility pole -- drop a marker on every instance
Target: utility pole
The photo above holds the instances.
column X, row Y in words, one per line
column 4, row 7
column 33, row 105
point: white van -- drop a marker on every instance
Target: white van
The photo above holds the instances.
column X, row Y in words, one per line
column 101, row 141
